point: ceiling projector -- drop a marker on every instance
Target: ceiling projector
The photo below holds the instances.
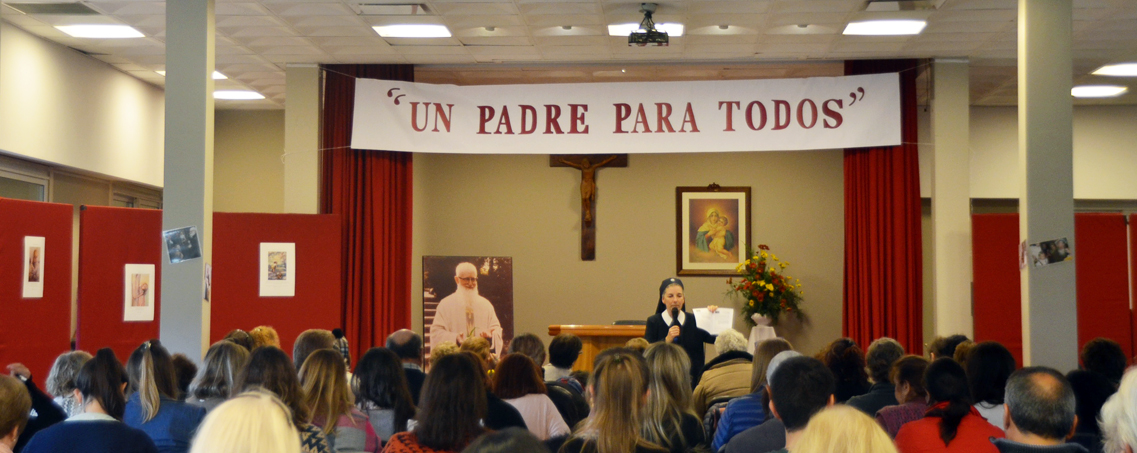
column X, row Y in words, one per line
column 647, row 35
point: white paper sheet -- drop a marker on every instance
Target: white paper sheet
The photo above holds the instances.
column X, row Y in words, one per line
column 714, row 323
column 278, row 269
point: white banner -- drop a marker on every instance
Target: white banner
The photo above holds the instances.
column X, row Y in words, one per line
column 633, row 117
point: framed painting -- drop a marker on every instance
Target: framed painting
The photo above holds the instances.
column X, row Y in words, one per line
column 712, row 229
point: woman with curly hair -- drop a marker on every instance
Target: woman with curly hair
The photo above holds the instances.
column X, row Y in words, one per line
column 847, row 362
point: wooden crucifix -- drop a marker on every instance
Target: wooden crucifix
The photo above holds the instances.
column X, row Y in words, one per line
column 588, row 165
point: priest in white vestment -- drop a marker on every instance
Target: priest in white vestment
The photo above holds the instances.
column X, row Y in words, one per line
column 465, row 314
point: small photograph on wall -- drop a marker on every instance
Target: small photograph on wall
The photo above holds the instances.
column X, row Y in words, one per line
column 138, row 293
column 278, row 269
column 1050, row 252
column 182, row 244
column 467, row 297
column 712, row 229
column 33, row 267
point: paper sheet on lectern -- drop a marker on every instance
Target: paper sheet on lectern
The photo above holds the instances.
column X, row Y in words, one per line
column 714, row 323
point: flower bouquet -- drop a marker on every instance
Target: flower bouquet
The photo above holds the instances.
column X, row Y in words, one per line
column 767, row 292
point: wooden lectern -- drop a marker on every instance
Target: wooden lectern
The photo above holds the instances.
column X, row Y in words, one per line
column 596, row 339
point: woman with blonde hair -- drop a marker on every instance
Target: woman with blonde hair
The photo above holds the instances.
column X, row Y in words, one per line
column 668, row 418
column 617, row 388
column 252, row 422
column 264, row 336
column 331, row 404
column 748, row 411
column 843, row 429
column 155, row 406
column 61, row 380
column 223, row 362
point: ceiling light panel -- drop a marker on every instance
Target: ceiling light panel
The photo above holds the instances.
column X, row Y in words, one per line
column 100, row 31
column 61, row 8
column 1118, row 70
column 413, row 31
column 885, row 27
column 400, row 9
column 1098, row 91
column 235, row 95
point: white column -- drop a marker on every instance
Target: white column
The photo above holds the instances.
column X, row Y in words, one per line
column 1046, row 207
column 302, row 139
column 188, row 192
column 951, row 200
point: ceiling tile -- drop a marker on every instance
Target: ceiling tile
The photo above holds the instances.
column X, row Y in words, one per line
column 475, row 9
column 310, row 9
column 567, row 8
column 496, row 41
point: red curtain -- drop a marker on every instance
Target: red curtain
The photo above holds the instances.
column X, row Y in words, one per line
column 371, row 191
column 883, row 292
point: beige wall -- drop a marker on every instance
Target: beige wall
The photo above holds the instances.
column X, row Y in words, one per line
column 248, row 175
column 62, row 107
column 518, row 206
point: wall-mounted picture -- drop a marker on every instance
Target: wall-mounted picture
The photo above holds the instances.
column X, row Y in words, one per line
column 182, row 244
column 278, row 269
column 138, row 292
column 1050, row 252
column 468, row 297
column 712, row 229
column 33, row 267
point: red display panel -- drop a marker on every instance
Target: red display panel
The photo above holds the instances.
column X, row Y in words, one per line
column 34, row 331
column 1102, row 260
column 109, row 239
column 236, row 303
column 995, row 268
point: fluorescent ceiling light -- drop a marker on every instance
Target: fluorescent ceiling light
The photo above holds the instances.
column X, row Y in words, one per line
column 892, row 27
column 1118, row 70
column 412, row 31
column 672, row 30
column 216, row 75
column 100, row 31
column 1098, row 91
column 237, row 95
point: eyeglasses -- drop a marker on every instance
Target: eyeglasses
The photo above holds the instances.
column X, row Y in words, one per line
column 468, row 279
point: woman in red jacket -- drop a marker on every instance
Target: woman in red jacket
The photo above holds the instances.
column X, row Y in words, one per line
column 951, row 424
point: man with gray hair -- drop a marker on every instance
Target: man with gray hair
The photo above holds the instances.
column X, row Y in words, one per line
column 465, row 314
column 881, row 355
column 727, row 375
column 407, row 345
column 1119, row 417
column 1039, row 413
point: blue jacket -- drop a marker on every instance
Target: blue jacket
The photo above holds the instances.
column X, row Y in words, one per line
column 741, row 414
column 172, row 428
column 90, row 436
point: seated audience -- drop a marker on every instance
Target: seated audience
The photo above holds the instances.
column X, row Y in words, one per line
column 480, row 348
column 438, row 351
column 184, row 372
column 1091, row 390
column 1119, row 417
column 725, row 376
column 1104, row 356
column 799, row 388
column 252, row 422
column 962, row 352
column 517, row 381
column 408, row 346
column 381, row 392
column 907, row 376
column 619, row 387
column 342, row 346
column 843, row 429
column 509, row 440
column 846, row 361
column 331, row 405
column 310, row 341
column 530, row 346
column 563, row 352
column 271, row 369
column 241, row 338
column 98, row 428
column 668, row 419
column 1040, row 413
column 951, row 424
column 264, row 336
column 989, row 364
column 452, row 409
column 155, row 406
column 223, row 362
column 46, row 412
column 17, row 404
column 881, row 355
column 945, row 346
column 638, row 344
column 750, row 410
column 499, row 414
column 61, row 379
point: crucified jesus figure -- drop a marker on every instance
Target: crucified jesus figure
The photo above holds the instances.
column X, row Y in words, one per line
column 588, row 183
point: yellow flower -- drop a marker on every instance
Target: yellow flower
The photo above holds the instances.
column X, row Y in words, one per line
column 764, row 255
column 782, row 265
column 770, row 286
column 798, row 285
column 775, row 257
column 751, row 303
